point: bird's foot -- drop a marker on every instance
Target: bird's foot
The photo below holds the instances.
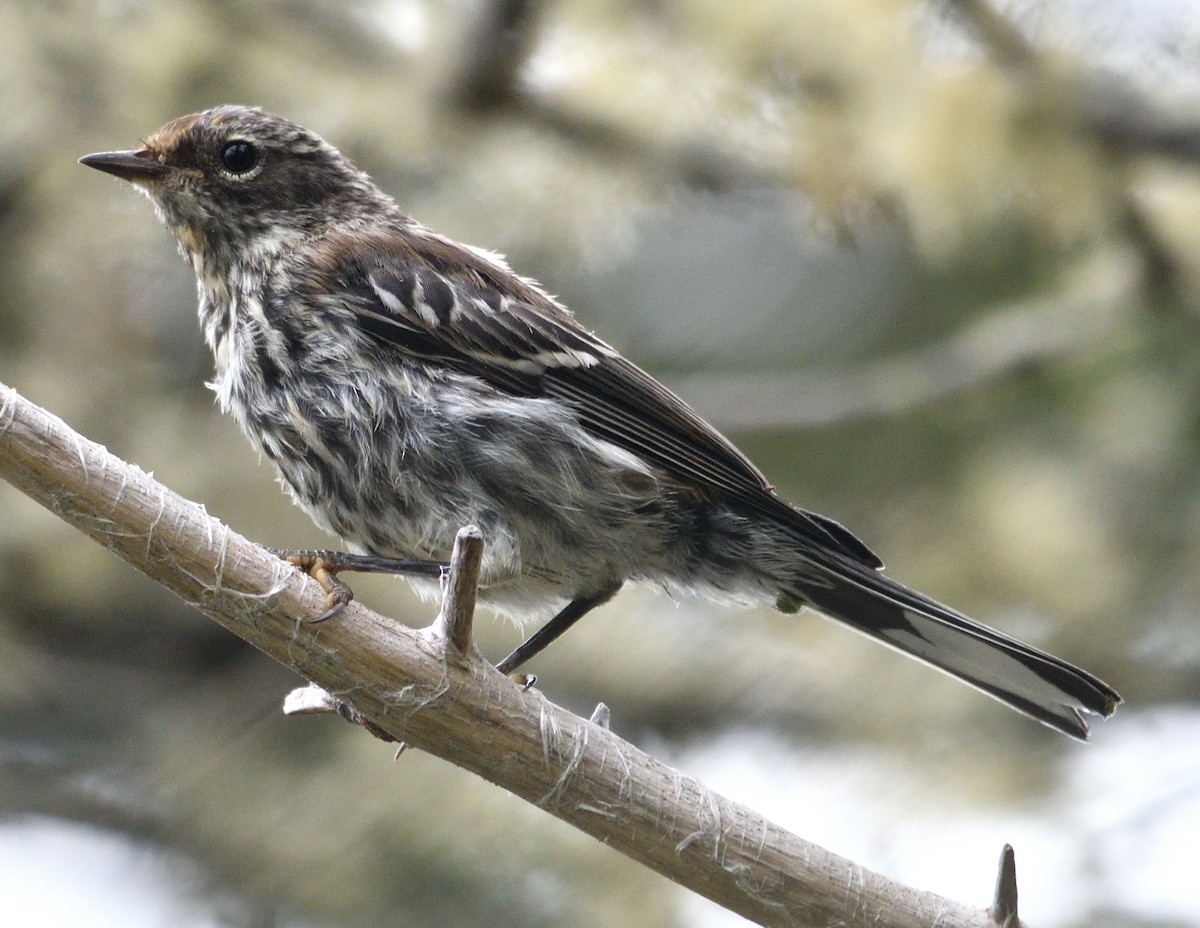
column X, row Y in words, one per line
column 324, row 567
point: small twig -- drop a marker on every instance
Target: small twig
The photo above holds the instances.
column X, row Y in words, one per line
column 454, row 622
column 1004, row 907
column 601, row 716
column 313, row 700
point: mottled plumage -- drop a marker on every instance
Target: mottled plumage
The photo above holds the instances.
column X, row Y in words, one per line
column 405, row 385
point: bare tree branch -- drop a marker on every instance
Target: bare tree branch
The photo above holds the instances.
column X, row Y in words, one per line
column 415, row 686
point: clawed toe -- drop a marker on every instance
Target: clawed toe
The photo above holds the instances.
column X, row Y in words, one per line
column 324, row 566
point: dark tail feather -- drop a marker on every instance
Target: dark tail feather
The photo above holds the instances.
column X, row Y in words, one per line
column 1030, row 681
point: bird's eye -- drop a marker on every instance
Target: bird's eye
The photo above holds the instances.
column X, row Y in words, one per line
column 239, row 157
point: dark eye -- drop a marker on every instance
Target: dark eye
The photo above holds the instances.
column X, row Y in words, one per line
column 239, row 157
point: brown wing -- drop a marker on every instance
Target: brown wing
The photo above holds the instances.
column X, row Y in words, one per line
column 430, row 298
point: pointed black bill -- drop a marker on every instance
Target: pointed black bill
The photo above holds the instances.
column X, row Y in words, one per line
column 136, row 166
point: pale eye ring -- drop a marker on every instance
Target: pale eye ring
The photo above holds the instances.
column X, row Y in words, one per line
column 239, row 157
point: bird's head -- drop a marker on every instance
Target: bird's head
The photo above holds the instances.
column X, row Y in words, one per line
column 237, row 185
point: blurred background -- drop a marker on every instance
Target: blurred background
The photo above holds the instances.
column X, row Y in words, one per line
column 934, row 265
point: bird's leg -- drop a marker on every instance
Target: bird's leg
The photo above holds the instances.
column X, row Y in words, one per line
column 571, row 613
column 324, row 566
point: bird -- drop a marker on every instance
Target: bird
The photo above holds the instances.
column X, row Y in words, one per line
column 405, row 385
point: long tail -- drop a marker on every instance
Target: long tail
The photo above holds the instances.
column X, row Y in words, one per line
column 1031, row 681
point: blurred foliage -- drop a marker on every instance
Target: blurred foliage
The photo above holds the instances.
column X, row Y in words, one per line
column 933, row 266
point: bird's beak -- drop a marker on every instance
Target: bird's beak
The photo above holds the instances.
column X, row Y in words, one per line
column 139, row 166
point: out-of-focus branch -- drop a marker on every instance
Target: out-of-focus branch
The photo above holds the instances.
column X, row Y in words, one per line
column 697, row 162
column 1112, row 115
column 495, row 49
column 1005, row 340
column 418, row 687
column 1118, row 117
column 1006, row 42
column 497, row 45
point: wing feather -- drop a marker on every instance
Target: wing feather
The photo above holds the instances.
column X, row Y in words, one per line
column 429, row 298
